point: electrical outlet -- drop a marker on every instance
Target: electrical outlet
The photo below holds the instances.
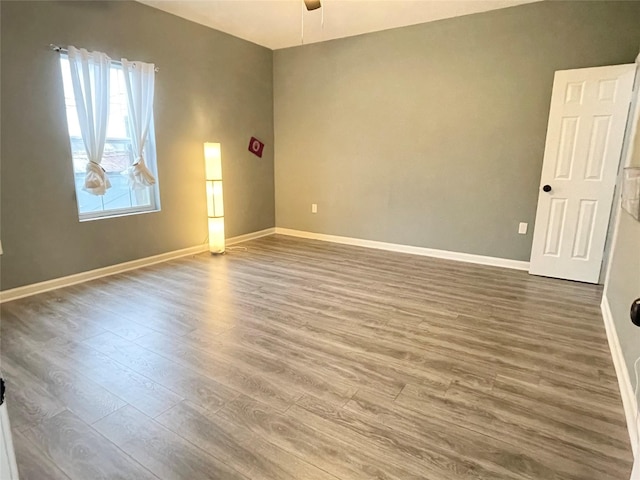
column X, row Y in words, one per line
column 522, row 228
column 314, row 208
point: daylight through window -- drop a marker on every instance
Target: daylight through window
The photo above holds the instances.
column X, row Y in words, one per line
column 118, row 154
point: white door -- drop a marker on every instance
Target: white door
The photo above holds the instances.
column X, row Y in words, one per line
column 589, row 109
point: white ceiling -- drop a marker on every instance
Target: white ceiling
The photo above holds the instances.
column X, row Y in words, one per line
column 278, row 23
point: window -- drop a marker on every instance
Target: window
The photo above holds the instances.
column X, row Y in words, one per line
column 118, row 154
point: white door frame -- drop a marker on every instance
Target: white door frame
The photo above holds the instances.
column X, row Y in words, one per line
column 630, row 403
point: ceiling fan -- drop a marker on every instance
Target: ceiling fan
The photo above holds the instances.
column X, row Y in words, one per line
column 312, row 4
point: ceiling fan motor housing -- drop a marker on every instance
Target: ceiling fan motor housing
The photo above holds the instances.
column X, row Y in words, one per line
column 312, row 4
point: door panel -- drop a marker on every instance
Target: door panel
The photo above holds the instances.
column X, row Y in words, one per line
column 600, row 135
column 555, row 227
column 584, row 234
column 585, row 132
column 567, row 147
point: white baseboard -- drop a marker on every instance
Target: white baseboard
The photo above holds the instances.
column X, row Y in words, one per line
column 250, row 236
column 396, row 247
column 35, row 288
column 41, row 287
column 624, row 381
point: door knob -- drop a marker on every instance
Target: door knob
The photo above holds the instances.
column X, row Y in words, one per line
column 635, row 312
column 546, row 188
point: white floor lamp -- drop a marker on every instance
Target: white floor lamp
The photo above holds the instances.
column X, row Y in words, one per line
column 215, row 207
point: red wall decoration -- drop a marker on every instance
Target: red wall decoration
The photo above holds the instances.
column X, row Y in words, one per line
column 256, row 146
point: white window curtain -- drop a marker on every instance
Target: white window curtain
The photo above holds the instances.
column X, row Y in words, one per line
column 139, row 77
column 90, row 78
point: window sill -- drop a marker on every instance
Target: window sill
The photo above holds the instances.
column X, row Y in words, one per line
column 116, row 214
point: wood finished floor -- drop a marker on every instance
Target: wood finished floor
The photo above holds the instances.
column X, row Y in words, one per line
column 307, row 360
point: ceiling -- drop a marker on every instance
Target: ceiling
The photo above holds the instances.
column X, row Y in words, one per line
column 278, row 23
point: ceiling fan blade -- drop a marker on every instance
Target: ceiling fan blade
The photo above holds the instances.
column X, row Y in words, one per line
column 312, row 4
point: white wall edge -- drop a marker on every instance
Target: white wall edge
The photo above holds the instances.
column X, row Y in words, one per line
column 8, row 463
column 396, row 247
column 629, row 402
column 250, row 236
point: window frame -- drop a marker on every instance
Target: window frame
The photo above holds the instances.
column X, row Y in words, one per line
column 150, row 160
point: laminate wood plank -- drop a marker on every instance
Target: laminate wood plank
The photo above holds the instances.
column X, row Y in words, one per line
column 341, row 364
column 191, row 385
column 160, row 450
column 556, row 355
column 342, row 303
column 28, row 399
column 444, row 433
column 369, row 314
column 304, row 359
column 322, row 334
column 294, row 376
column 464, row 275
column 345, row 363
column 138, row 309
column 33, row 463
column 346, row 456
column 187, row 296
column 572, row 387
column 238, row 447
column 55, row 313
column 603, row 418
column 513, row 424
column 144, row 394
column 81, row 395
column 465, row 355
column 483, row 277
column 442, row 460
column 191, row 294
column 510, row 329
column 544, row 424
column 42, row 315
column 400, row 457
column 234, row 375
column 214, row 280
column 509, row 356
column 338, row 255
column 81, row 452
column 426, row 366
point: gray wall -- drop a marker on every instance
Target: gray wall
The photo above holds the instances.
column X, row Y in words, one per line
column 211, row 87
column 433, row 135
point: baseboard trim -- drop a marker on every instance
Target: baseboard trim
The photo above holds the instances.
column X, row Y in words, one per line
column 624, row 381
column 250, row 236
column 41, row 287
column 396, row 247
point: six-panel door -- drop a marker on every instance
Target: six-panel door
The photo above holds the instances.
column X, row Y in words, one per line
column 589, row 109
